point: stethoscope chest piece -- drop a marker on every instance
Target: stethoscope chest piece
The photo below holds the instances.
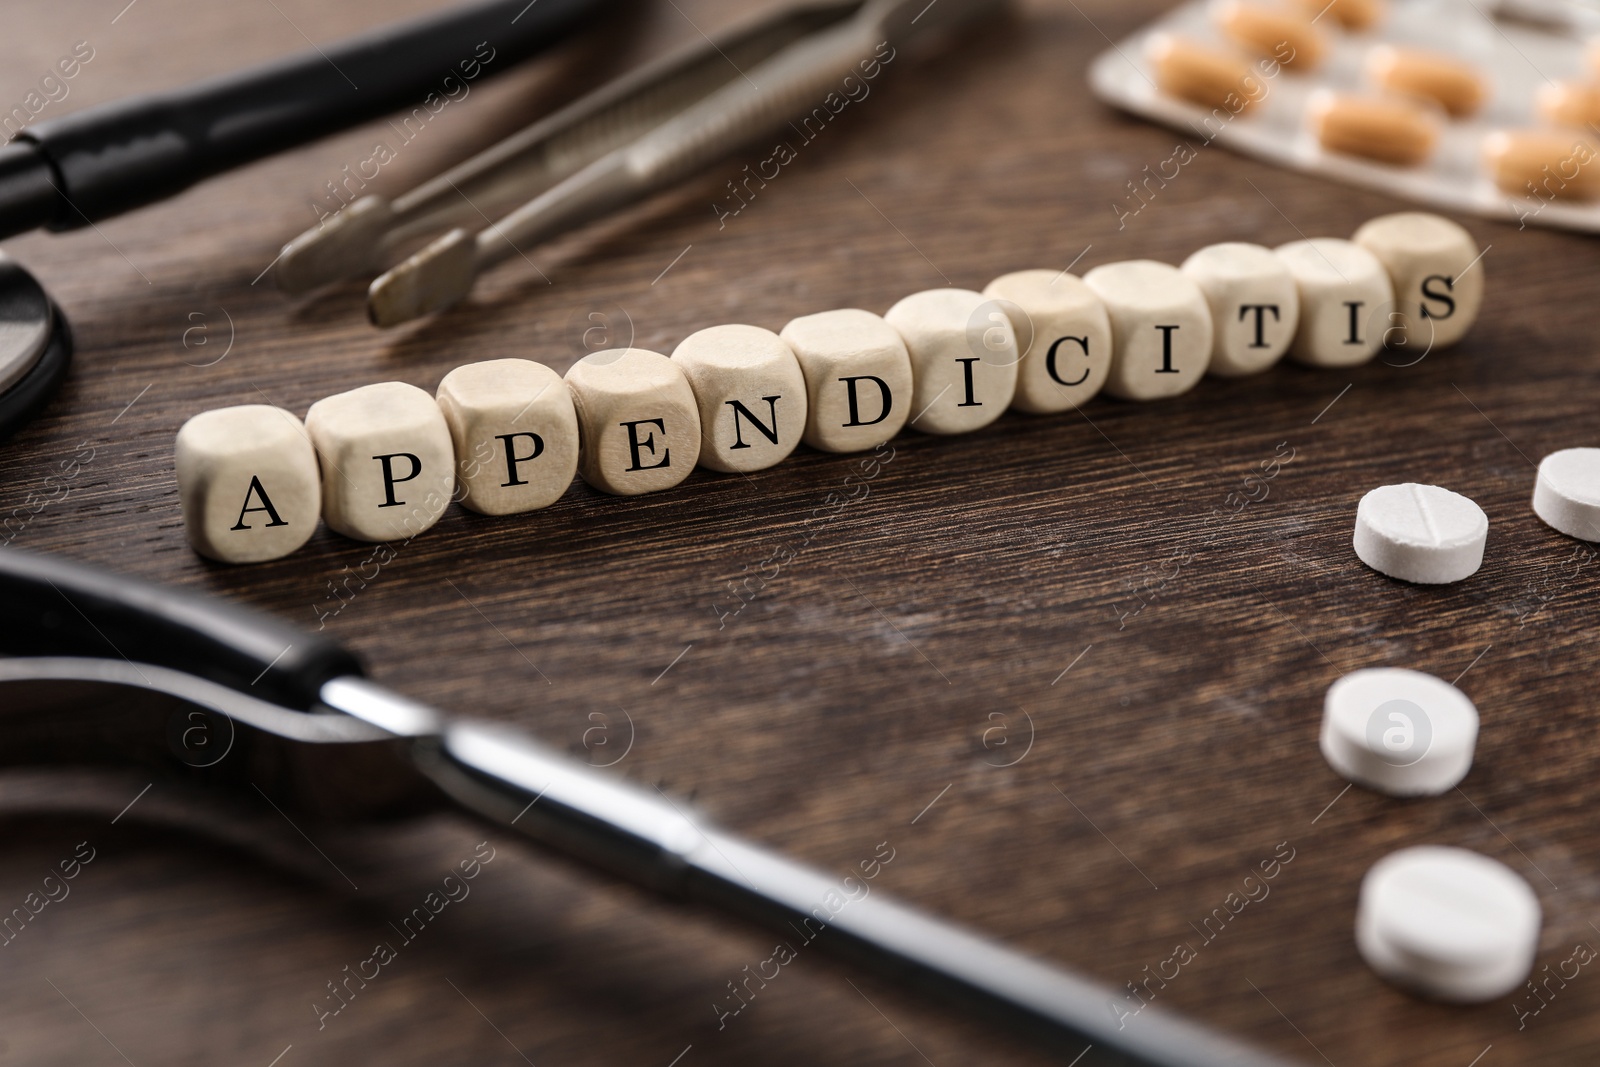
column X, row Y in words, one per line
column 35, row 347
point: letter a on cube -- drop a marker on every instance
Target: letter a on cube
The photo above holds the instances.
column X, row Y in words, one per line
column 247, row 483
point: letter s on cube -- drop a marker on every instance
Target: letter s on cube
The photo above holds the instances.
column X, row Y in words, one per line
column 637, row 420
column 1434, row 265
column 247, row 483
column 388, row 464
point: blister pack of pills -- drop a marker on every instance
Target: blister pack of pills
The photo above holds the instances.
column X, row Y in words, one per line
column 1467, row 105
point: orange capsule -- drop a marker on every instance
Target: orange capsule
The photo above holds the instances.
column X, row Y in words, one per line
column 1570, row 103
column 1203, row 75
column 1355, row 15
column 1282, row 34
column 1387, row 130
column 1543, row 163
column 1453, row 83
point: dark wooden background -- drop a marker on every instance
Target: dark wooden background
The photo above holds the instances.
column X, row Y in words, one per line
column 906, row 654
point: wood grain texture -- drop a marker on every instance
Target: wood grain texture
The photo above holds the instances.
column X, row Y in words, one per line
column 868, row 678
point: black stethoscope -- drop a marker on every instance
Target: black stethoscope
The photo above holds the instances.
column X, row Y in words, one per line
column 35, row 347
column 104, row 160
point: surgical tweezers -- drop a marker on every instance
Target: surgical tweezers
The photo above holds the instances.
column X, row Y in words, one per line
column 95, row 667
column 633, row 137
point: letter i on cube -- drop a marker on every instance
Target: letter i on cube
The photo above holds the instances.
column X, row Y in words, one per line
column 247, row 483
column 963, row 358
column 1161, row 328
column 1346, row 301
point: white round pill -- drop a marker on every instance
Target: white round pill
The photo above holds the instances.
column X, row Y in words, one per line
column 1420, row 533
column 1447, row 923
column 1400, row 732
column 1567, row 494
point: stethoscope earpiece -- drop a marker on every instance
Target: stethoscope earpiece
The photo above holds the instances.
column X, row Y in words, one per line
column 35, row 347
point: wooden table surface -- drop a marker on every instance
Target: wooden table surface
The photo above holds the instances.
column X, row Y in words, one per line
column 1030, row 662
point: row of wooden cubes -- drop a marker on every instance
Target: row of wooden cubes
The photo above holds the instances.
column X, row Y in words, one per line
column 383, row 462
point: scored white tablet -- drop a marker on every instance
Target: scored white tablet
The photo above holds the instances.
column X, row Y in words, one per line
column 1420, row 533
column 1447, row 923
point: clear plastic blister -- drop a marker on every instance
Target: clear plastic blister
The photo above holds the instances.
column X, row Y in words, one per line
column 1518, row 51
